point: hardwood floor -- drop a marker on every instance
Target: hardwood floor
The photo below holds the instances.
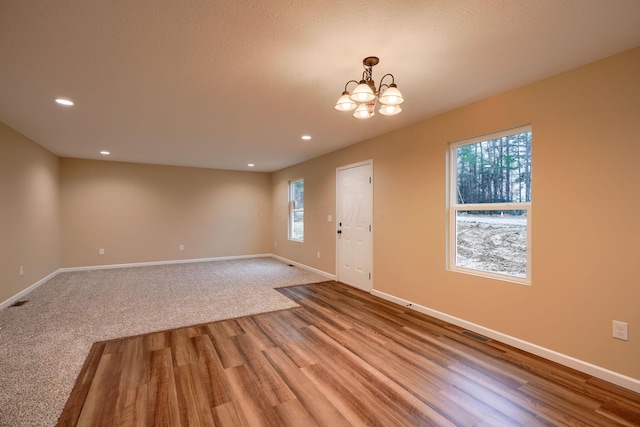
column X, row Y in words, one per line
column 344, row 358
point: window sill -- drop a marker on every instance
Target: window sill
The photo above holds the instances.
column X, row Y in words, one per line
column 495, row 276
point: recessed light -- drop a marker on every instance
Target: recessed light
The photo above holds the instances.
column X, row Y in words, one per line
column 105, row 153
column 251, row 165
column 63, row 101
column 306, row 137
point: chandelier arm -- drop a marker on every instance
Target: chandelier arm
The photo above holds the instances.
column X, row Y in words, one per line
column 347, row 84
column 393, row 80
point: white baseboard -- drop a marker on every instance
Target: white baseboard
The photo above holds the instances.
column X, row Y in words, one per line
column 151, row 263
column 577, row 364
column 306, row 267
column 24, row 292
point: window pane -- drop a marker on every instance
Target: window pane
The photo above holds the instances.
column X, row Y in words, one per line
column 495, row 171
column 296, row 210
column 297, row 225
column 298, row 194
column 492, row 241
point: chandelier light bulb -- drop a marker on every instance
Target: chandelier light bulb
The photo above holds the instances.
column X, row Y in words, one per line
column 345, row 103
column 362, row 93
column 390, row 110
column 391, row 96
column 364, row 111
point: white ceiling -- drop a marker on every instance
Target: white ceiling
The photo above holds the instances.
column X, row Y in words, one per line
column 219, row 84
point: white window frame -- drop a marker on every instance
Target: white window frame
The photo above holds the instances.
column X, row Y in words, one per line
column 454, row 207
column 293, row 210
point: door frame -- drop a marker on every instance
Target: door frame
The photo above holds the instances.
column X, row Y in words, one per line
column 338, row 169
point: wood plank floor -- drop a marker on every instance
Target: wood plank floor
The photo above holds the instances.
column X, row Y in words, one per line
column 344, row 358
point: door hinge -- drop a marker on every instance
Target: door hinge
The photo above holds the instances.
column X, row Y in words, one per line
column 370, row 180
column 369, row 227
column 369, row 276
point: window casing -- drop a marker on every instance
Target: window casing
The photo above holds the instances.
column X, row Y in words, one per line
column 296, row 210
column 490, row 205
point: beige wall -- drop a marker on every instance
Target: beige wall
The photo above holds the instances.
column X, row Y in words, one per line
column 29, row 213
column 142, row 213
column 585, row 236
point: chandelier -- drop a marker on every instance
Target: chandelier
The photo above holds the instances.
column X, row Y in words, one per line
column 365, row 96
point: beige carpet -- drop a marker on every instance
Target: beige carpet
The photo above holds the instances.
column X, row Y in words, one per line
column 44, row 342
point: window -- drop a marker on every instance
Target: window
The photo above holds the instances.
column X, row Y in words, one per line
column 296, row 210
column 490, row 205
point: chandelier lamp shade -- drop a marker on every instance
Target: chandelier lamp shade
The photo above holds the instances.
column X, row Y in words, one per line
column 365, row 96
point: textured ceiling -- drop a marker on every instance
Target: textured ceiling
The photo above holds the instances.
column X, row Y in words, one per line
column 220, row 84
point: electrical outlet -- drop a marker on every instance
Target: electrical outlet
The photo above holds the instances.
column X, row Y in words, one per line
column 182, row 247
column 621, row 330
column 318, row 254
column 21, row 270
column 101, row 252
column 275, row 243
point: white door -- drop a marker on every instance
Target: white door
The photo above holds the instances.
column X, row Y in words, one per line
column 354, row 221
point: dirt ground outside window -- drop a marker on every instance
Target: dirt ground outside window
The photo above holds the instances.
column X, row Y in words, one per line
column 492, row 243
